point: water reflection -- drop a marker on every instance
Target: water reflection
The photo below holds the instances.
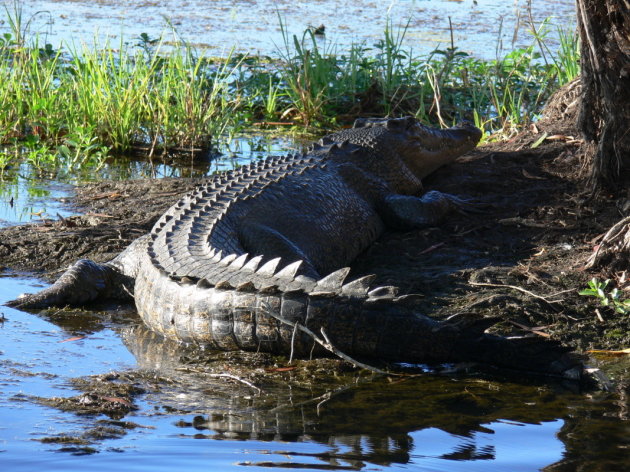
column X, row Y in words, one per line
column 29, row 193
column 428, row 420
column 318, row 417
column 26, row 197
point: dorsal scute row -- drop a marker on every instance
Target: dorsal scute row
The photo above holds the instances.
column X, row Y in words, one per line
column 272, row 279
column 204, row 210
column 201, row 211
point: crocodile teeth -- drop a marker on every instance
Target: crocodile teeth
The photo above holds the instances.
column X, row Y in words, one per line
column 227, row 259
column 383, row 292
column 269, row 268
column 359, row 287
column 334, row 280
column 325, row 141
column 217, row 257
column 252, row 265
column 239, row 262
column 289, row 271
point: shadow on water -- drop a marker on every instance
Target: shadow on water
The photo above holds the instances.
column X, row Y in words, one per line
column 175, row 407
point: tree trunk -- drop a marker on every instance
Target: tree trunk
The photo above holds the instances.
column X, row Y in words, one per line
column 604, row 28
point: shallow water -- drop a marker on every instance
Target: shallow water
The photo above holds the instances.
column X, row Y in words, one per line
column 27, row 196
column 253, row 26
column 186, row 420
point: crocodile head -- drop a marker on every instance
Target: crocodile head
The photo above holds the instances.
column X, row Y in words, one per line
column 423, row 148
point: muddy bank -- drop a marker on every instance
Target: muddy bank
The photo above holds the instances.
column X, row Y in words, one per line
column 521, row 258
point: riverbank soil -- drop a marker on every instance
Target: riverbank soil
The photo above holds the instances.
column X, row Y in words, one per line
column 520, row 257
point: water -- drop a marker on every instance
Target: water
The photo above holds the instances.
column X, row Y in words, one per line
column 28, row 196
column 25, row 198
column 252, row 26
column 187, row 421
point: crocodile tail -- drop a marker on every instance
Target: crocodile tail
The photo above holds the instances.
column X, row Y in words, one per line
column 519, row 353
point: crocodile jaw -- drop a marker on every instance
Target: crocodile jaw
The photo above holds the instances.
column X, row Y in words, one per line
column 427, row 149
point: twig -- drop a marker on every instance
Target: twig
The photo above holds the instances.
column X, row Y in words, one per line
column 532, row 330
column 326, row 398
column 599, row 315
column 238, row 379
column 432, row 248
column 611, row 235
column 326, row 344
column 295, row 328
column 319, row 399
column 514, row 287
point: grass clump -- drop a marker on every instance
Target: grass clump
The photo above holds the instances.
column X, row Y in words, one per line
column 82, row 104
column 317, row 86
column 77, row 105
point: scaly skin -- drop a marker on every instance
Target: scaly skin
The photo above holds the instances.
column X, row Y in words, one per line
column 208, row 271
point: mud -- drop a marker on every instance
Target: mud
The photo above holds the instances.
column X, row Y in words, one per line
column 521, row 258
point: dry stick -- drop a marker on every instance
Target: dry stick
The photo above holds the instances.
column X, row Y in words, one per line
column 608, row 237
column 238, row 379
column 514, row 287
column 326, row 344
column 295, row 328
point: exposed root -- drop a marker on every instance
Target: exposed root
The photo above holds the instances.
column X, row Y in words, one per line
column 614, row 249
column 520, row 289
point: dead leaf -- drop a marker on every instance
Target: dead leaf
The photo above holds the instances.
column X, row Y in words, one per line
column 560, row 137
column 623, row 352
column 530, row 176
column 280, row 369
column 110, row 195
column 76, row 338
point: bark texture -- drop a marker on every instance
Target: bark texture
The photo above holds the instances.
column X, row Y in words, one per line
column 604, row 27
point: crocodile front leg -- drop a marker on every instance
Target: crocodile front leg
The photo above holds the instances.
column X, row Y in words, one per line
column 407, row 212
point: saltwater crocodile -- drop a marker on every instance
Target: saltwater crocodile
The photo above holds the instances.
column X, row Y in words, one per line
column 248, row 257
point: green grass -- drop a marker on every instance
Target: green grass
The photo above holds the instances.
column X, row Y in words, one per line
column 75, row 106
